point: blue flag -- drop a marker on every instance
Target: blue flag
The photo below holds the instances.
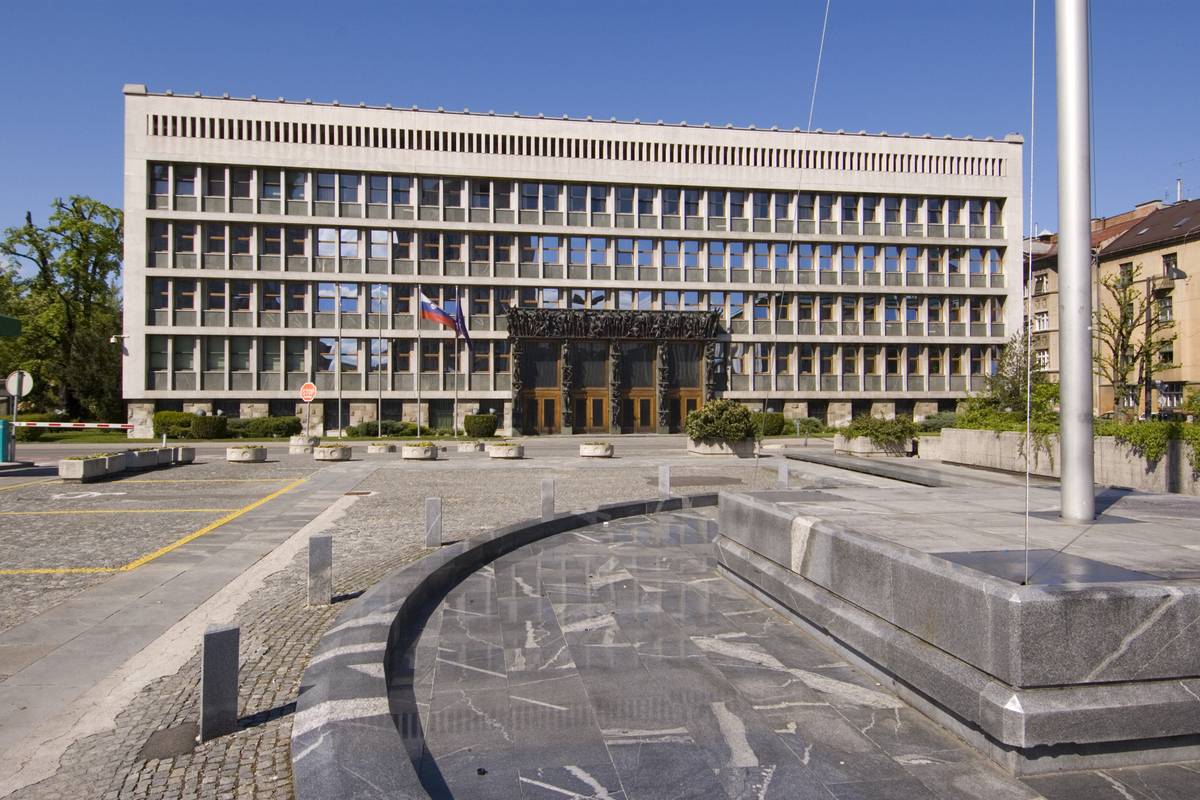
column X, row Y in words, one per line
column 460, row 323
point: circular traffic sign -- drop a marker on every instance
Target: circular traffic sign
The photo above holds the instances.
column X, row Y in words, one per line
column 19, row 383
column 308, row 392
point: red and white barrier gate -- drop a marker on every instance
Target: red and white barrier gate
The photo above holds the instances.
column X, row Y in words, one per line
column 122, row 426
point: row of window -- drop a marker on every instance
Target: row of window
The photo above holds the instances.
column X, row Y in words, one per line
column 352, row 354
column 189, row 180
column 376, row 298
column 403, row 245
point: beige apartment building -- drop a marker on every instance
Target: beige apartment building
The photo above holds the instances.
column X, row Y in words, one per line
column 1162, row 251
column 1043, row 315
column 614, row 275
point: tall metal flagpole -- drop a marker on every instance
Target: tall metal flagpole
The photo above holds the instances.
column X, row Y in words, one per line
column 383, row 306
column 457, row 361
column 1074, row 262
column 417, row 377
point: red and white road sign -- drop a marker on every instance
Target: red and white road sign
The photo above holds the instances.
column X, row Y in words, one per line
column 123, row 426
column 308, row 392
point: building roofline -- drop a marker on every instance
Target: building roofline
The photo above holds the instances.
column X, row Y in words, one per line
column 140, row 89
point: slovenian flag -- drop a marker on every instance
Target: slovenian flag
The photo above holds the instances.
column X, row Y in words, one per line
column 431, row 312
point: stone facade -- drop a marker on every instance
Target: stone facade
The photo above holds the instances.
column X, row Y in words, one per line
column 839, row 415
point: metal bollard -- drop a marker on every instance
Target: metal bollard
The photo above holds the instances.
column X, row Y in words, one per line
column 433, row 522
column 664, row 482
column 219, row 681
column 320, row 570
column 547, row 498
column 784, row 475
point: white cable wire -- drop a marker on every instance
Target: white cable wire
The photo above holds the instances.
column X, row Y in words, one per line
column 820, row 52
column 1029, row 280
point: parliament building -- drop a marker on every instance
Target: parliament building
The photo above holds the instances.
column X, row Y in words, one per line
column 613, row 275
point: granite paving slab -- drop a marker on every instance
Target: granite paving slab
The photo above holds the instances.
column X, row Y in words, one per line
column 614, row 662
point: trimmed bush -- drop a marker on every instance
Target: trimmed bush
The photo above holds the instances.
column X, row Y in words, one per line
column 768, row 423
column 480, row 426
column 809, row 426
column 266, row 427
column 390, row 427
column 935, row 422
column 175, row 424
column 34, row 434
column 211, row 427
column 882, row 432
column 722, row 420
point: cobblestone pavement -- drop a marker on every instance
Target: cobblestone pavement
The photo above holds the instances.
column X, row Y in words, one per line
column 53, row 525
column 150, row 754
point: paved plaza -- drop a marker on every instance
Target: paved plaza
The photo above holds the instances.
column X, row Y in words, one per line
column 609, row 662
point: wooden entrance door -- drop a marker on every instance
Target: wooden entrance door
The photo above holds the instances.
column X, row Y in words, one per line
column 683, row 402
column 542, row 413
column 591, row 411
column 640, row 414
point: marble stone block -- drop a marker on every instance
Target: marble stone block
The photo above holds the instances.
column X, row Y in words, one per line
column 433, row 521
column 320, row 570
column 219, row 681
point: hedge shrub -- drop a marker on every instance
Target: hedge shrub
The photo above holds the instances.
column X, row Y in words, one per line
column 882, row 432
column 935, row 422
column 175, row 424
column 267, row 427
column 480, row 426
column 768, row 423
column 34, row 434
column 210, row 427
column 720, row 420
column 809, row 426
column 390, row 427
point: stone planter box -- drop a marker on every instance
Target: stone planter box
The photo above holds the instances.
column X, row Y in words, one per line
column 862, row 446
column 502, row 451
column 412, row 452
column 335, row 452
column 302, row 445
column 596, row 450
column 141, row 459
column 83, row 469
column 470, row 447
column 183, row 455
column 166, row 456
column 721, row 447
column 116, row 463
column 1115, row 463
column 246, row 455
column 376, row 448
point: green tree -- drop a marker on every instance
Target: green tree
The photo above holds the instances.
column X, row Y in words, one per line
column 1132, row 334
column 69, row 306
column 1007, row 385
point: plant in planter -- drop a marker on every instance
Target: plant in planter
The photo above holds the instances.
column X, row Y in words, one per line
column 506, row 450
column 867, row 435
column 246, row 454
column 90, row 467
column 721, row 427
column 419, row 451
column 332, row 452
column 596, row 450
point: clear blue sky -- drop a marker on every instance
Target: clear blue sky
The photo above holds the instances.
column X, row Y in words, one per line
column 940, row 66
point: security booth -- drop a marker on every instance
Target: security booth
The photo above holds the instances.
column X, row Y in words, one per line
column 610, row 371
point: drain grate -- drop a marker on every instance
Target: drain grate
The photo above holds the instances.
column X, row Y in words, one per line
column 170, row 742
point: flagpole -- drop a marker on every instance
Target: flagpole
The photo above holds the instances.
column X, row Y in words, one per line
column 417, row 377
column 457, row 362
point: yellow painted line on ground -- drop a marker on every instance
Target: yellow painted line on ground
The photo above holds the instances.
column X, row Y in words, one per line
column 212, row 526
column 209, row 480
column 162, row 551
column 67, row 513
column 58, row 571
column 27, row 483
